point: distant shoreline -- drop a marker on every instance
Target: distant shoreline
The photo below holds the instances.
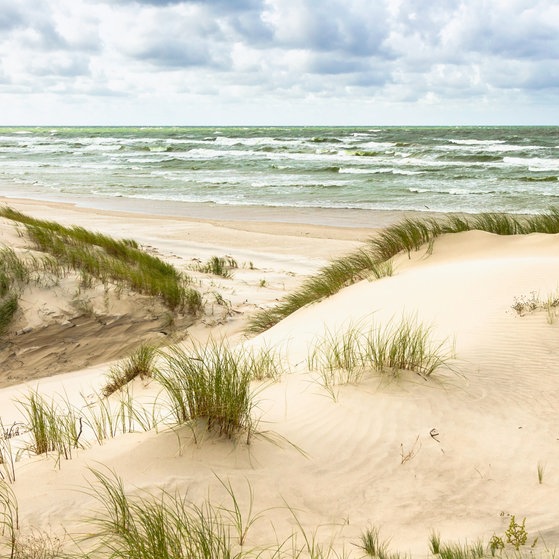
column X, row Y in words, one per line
column 326, row 217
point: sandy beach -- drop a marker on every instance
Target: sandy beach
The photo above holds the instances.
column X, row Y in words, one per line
column 460, row 452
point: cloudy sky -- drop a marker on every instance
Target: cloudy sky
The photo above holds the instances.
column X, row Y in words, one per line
column 250, row 62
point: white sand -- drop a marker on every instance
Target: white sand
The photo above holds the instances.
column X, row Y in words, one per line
column 339, row 463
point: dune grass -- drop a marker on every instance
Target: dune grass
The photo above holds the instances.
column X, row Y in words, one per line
column 40, row 546
column 7, row 456
column 331, row 279
column 18, row 271
column 14, row 274
column 8, row 308
column 58, row 427
column 339, row 357
column 109, row 259
column 222, row 266
column 435, row 542
column 372, row 545
column 107, row 418
column 343, row 357
column 373, row 260
column 9, row 520
column 168, row 525
column 150, row 527
column 209, row 382
column 462, row 551
column 53, row 428
column 405, row 346
column 141, row 363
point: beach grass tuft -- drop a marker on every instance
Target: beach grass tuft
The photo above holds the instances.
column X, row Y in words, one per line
column 39, row 546
column 8, row 308
column 372, row 545
column 7, row 455
column 405, row 346
column 343, row 357
column 435, row 542
column 406, row 236
column 156, row 527
column 141, row 363
column 219, row 266
column 14, row 275
column 459, row 551
column 339, row 357
column 209, row 382
column 9, row 520
column 109, row 259
column 53, row 427
column 107, row 418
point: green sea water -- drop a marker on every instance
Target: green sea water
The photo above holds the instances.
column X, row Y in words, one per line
column 440, row 169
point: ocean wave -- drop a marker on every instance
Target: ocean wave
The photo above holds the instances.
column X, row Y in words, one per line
column 548, row 178
column 481, row 169
column 475, row 193
column 355, row 171
column 464, row 142
column 544, row 168
column 365, row 153
column 328, row 169
column 376, row 145
column 406, row 172
column 470, row 157
column 150, row 160
column 535, row 164
column 451, row 191
column 376, row 171
column 322, row 140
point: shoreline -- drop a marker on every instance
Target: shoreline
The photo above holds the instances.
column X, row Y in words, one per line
column 351, row 218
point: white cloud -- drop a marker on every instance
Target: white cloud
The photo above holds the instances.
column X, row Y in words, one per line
column 174, row 61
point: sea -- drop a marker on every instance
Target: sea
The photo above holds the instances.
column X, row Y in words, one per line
column 431, row 169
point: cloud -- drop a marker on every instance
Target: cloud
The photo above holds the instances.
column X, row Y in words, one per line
column 407, row 51
column 180, row 39
column 355, row 28
column 516, row 29
column 10, row 17
column 229, row 5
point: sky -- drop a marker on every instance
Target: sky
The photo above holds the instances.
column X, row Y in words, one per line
column 279, row 62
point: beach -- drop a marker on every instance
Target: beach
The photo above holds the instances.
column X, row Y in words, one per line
column 462, row 452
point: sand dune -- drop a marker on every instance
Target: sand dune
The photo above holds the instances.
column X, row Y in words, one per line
column 456, row 453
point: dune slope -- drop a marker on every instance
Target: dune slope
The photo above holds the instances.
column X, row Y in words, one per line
column 457, row 453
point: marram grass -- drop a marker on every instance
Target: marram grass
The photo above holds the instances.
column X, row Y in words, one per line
column 218, row 266
column 169, row 525
column 208, row 382
column 345, row 356
column 140, row 363
column 373, row 260
column 53, row 428
column 150, row 527
column 108, row 259
column 14, row 275
column 331, row 279
column 212, row 382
